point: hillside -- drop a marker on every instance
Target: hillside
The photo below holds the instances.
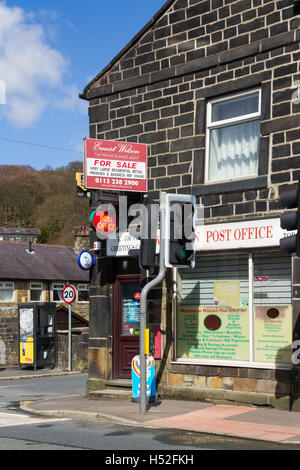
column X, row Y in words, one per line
column 43, row 199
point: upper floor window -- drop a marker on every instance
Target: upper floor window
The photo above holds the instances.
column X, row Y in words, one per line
column 6, row 291
column 36, row 292
column 233, row 135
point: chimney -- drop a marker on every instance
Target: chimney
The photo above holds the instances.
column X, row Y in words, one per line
column 82, row 239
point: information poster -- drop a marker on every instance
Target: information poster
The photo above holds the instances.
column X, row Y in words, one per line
column 213, row 332
column 26, row 323
column 273, row 334
column 227, row 293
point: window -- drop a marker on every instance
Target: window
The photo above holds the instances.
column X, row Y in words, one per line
column 57, row 292
column 6, row 291
column 233, row 134
column 236, row 309
column 83, row 292
column 36, row 292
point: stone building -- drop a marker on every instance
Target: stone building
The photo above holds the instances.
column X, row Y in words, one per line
column 19, row 234
column 211, row 87
column 37, row 273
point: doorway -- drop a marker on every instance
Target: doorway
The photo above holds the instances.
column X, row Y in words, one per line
column 126, row 324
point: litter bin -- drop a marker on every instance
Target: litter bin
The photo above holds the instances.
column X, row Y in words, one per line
column 37, row 334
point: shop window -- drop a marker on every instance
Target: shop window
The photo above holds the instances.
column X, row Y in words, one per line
column 6, row 291
column 236, row 309
column 57, row 290
column 83, row 292
column 233, row 135
column 36, row 292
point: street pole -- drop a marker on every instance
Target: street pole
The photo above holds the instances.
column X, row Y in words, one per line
column 70, row 338
column 143, row 303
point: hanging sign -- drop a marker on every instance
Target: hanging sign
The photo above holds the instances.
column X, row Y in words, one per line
column 85, row 260
column 105, row 221
column 115, row 166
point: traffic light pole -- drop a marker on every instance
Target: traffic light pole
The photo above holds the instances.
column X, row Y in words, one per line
column 143, row 303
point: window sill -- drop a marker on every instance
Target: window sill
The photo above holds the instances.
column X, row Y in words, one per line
column 259, row 182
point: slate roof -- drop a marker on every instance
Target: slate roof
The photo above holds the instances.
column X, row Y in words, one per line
column 45, row 262
column 19, row 231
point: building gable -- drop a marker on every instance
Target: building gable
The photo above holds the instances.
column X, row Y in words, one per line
column 190, row 36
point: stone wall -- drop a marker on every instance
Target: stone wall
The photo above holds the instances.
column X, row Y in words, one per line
column 79, row 349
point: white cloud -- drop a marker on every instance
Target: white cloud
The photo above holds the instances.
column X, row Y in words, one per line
column 70, row 100
column 31, row 69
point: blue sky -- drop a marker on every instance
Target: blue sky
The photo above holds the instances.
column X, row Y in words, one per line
column 49, row 51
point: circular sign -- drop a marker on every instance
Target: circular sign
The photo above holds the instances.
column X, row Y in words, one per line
column 273, row 312
column 85, row 260
column 137, row 296
column 212, row 322
column 105, row 221
column 69, row 294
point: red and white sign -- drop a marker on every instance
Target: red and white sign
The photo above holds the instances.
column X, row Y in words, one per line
column 69, row 294
column 115, row 166
column 246, row 234
column 137, row 296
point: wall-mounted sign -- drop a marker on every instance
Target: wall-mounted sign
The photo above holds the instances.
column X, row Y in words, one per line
column 105, row 221
column 85, row 260
column 115, row 166
column 234, row 235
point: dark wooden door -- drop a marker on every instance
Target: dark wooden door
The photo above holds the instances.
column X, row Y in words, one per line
column 126, row 324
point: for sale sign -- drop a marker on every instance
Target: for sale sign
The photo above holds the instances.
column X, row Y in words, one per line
column 115, row 166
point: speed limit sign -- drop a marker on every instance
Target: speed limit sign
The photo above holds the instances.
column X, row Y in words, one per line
column 69, row 294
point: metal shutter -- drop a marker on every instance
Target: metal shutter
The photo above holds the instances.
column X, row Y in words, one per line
column 272, row 281
column 196, row 286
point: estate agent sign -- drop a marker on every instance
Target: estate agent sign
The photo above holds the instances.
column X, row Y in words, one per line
column 115, row 166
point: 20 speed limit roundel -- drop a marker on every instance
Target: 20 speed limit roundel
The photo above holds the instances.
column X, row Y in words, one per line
column 69, row 294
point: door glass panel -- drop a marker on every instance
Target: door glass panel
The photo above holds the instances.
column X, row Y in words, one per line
column 45, row 323
column 130, row 309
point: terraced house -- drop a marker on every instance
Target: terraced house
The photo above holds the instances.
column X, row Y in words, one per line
column 212, row 87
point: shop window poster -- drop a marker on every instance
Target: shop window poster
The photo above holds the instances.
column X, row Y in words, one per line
column 273, row 333
column 213, row 333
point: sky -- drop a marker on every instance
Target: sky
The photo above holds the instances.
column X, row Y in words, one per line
column 49, row 51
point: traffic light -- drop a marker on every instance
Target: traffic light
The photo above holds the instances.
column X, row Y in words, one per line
column 81, row 190
column 180, row 231
column 149, row 226
column 291, row 220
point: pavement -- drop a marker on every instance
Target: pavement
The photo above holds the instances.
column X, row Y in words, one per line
column 231, row 420
column 15, row 373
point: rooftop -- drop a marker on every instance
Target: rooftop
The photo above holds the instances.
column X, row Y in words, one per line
column 43, row 262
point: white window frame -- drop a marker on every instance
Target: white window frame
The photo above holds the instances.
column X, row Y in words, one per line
column 36, row 288
column 218, row 124
column 232, row 363
column 82, row 287
column 57, row 284
column 4, row 285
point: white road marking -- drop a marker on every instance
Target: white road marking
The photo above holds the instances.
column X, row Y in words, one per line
column 13, row 419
